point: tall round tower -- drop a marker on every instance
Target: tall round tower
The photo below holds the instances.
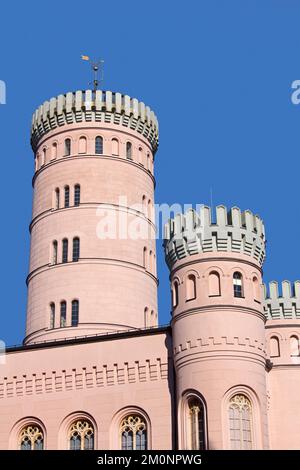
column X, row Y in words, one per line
column 218, row 328
column 92, row 259
column 282, row 308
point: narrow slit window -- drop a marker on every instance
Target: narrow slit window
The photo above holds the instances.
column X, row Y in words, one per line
column 63, row 314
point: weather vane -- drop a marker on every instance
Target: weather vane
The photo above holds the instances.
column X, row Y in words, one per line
column 97, row 68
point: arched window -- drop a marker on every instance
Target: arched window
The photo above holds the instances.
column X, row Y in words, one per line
column 67, row 147
column 63, row 314
column 67, row 196
column 76, row 249
column 190, row 287
column 196, row 419
column 99, row 145
column 140, row 156
column 214, row 285
column 129, row 150
column 148, row 162
column 31, row 438
column 115, row 147
column 54, row 252
column 37, row 162
column 256, row 289
column 54, row 151
column 82, row 147
column 65, row 246
column 145, row 261
column 274, row 347
column 133, row 433
column 76, row 195
column 52, row 315
column 238, row 290
column 81, row 435
column 75, row 313
column 144, row 206
column 240, row 423
column 57, row 198
column 149, row 211
column 175, row 296
column 294, row 346
column 43, row 157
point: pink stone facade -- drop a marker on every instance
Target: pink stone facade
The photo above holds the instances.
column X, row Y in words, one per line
column 223, row 375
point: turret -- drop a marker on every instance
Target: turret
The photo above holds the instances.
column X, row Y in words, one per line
column 218, row 328
column 87, row 274
column 282, row 310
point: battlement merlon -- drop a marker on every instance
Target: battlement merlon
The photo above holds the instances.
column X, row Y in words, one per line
column 98, row 106
column 282, row 300
column 234, row 231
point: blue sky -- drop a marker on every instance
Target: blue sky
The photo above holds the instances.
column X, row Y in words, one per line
column 218, row 75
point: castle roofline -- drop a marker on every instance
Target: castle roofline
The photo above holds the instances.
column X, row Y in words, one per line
column 282, row 300
column 90, row 338
column 94, row 106
column 234, row 231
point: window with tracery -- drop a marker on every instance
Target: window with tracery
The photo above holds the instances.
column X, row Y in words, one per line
column 134, row 433
column 197, row 424
column 81, row 435
column 31, row 438
column 240, row 423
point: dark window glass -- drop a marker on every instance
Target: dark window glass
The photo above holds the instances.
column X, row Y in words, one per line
column 65, row 250
column 76, row 249
column 76, row 195
column 98, row 145
column 75, row 313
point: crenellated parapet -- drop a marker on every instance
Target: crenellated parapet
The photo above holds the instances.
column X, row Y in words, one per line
column 282, row 301
column 233, row 231
column 90, row 106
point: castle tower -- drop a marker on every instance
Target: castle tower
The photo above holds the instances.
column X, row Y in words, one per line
column 90, row 271
column 218, row 328
column 282, row 309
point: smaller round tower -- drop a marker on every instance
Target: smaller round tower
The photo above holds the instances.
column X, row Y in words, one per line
column 218, row 328
column 282, row 310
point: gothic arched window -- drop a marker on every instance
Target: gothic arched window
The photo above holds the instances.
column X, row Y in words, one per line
column 81, row 435
column 98, row 145
column 133, row 433
column 196, row 419
column 240, row 423
column 31, row 438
